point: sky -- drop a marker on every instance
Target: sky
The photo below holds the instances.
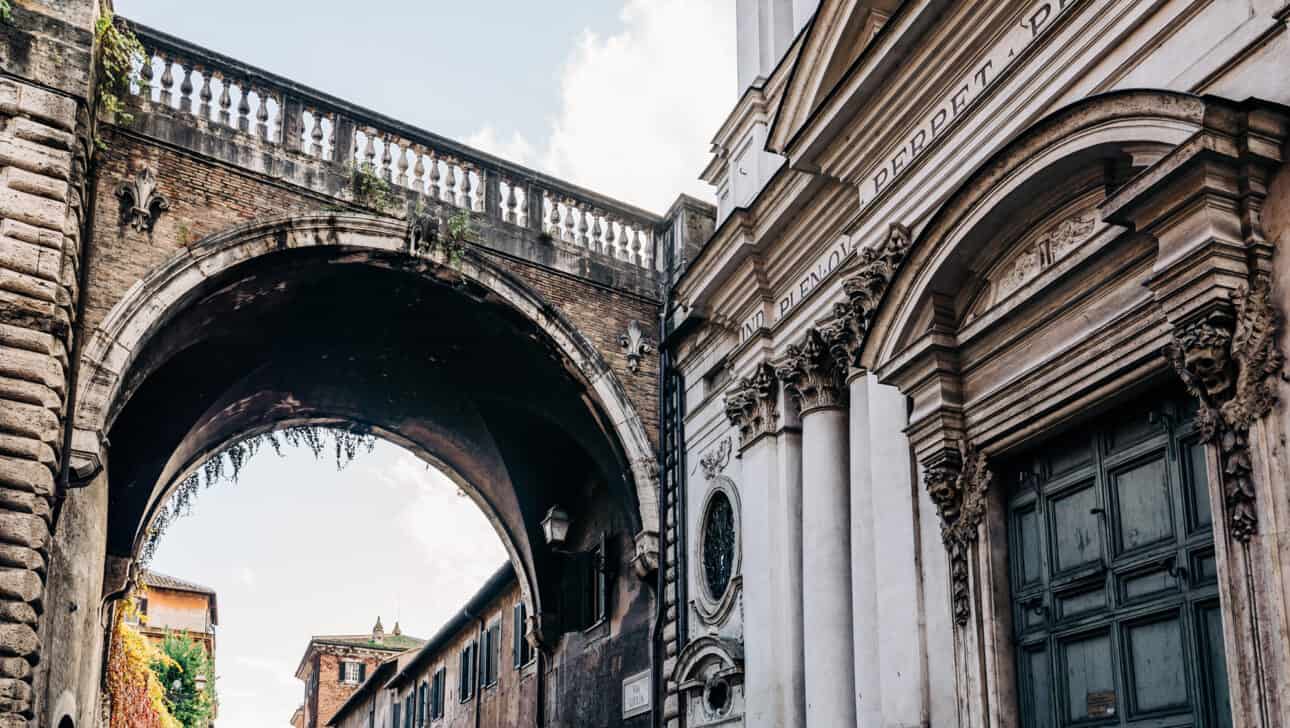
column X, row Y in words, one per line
column 621, row 96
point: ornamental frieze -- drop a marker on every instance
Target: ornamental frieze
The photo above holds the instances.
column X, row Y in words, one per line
column 1044, row 252
column 1230, row 362
column 751, row 404
column 811, row 374
column 957, row 483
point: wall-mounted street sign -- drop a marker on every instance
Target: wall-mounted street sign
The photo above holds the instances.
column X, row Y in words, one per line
column 638, row 694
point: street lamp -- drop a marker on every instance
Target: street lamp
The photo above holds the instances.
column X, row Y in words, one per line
column 555, row 526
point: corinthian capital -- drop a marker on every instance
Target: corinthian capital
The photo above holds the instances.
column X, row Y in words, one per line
column 811, row 373
column 750, row 404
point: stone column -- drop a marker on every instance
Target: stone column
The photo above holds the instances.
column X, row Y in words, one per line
column 811, row 375
column 44, row 144
column 770, row 490
column 864, row 577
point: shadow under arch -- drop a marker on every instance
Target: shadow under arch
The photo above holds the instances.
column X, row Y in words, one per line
column 335, row 318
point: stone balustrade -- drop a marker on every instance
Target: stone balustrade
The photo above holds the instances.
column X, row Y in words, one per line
column 216, row 105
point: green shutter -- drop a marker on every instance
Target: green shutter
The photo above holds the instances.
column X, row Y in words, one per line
column 362, row 671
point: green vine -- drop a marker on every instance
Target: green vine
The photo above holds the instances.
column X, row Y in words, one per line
column 6, row 12
column 369, row 188
column 119, row 50
column 461, row 230
column 227, row 464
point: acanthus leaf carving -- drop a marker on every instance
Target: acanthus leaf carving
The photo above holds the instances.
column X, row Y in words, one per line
column 1229, row 361
column 751, row 404
column 141, row 202
column 958, row 483
column 811, row 374
column 865, row 290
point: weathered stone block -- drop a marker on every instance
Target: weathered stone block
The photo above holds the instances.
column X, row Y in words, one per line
column 40, row 185
column 30, row 258
column 23, row 448
column 15, row 667
column 36, row 158
column 21, row 557
column 18, row 418
column 29, row 208
column 19, row 612
column 18, row 640
column 43, row 134
column 20, row 584
column 28, row 476
column 20, row 98
column 18, row 390
column 23, row 529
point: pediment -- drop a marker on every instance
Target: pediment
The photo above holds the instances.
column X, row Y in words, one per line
column 835, row 38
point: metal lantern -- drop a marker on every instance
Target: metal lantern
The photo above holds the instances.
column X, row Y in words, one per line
column 555, row 526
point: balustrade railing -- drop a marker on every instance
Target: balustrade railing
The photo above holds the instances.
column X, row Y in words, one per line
column 229, row 97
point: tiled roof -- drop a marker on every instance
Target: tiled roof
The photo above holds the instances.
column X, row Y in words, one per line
column 163, row 581
column 391, row 642
column 158, row 580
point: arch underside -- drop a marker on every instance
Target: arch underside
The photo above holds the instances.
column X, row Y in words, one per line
column 327, row 320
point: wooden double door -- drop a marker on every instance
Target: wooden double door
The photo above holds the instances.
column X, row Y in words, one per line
column 1114, row 582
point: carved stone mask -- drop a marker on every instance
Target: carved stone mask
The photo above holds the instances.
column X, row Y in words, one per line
column 1210, row 364
column 942, row 487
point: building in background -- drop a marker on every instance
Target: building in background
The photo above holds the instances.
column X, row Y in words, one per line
column 334, row 666
column 175, row 606
column 479, row 662
column 975, row 400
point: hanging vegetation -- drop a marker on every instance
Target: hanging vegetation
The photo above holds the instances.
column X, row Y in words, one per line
column 137, row 697
column 226, row 465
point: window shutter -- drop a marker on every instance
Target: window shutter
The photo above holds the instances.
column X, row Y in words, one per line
column 517, row 632
column 362, row 671
column 575, row 592
column 341, row 665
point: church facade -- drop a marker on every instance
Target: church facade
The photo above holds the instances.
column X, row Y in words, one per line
column 975, row 403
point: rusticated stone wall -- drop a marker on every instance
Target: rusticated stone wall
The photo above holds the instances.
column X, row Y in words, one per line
column 44, row 144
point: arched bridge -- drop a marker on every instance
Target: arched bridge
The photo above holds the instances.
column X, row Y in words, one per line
column 237, row 253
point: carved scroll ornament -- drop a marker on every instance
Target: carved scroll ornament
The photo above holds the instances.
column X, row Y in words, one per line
column 1229, row 361
column 811, row 374
column 957, row 484
column 141, row 202
column 750, row 404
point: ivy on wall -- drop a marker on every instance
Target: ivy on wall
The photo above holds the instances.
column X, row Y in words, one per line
column 137, row 697
column 188, row 679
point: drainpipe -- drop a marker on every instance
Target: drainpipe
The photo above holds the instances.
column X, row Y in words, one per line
column 660, row 590
column 479, row 685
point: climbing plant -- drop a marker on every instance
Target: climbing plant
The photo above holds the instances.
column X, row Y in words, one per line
column 188, row 679
column 369, row 188
column 226, row 466
column 119, row 51
column 6, row 12
column 134, row 691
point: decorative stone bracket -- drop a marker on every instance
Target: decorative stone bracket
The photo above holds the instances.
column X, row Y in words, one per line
column 141, row 203
column 645, row 562
column 635, row 344
column 1228, row 359
column 751, row 404
column 957, row 483
column 715, row 460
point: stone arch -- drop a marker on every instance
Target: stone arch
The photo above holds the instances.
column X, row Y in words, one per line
column 112, row 351
column 1146, row 123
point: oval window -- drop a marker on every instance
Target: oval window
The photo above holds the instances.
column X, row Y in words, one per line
column 718, row 544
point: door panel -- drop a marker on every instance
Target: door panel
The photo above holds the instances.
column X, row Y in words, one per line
column 1114, row 583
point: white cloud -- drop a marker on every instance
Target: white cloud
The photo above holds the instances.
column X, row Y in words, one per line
column 515, row 149
column 639, row 108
